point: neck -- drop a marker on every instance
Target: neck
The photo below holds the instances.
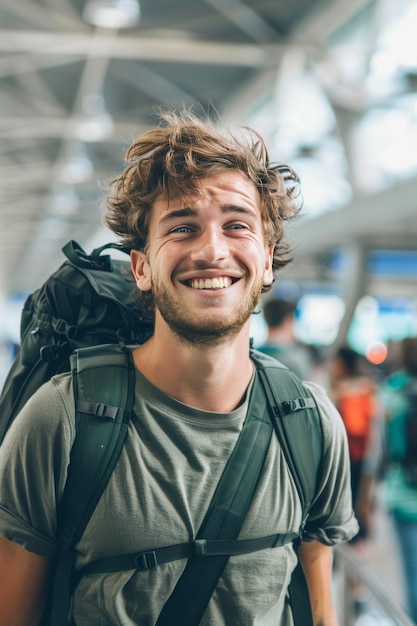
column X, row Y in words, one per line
column 208, row 377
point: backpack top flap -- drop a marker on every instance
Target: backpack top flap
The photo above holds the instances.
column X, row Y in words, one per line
column 110, row 284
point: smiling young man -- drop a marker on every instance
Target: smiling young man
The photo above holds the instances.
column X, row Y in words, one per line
column 202, row 211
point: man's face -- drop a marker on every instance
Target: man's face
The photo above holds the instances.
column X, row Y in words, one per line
column 206, row 261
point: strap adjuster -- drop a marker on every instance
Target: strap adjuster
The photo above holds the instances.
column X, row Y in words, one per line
column 101, row 410
column 291, row 406
column 200, row 547
column 146, row 560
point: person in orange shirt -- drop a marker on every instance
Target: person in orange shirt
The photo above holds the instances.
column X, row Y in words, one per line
column 354, row 392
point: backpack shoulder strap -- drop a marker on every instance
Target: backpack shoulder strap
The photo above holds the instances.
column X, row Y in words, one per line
column 297, row 423
column 104, row 384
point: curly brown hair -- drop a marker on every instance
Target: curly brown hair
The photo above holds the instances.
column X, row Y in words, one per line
column 171, row 159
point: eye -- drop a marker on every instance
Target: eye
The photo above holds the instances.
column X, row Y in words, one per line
column 181, row 229
column 237, row 226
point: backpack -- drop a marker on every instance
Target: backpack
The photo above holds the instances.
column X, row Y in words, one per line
column 88, row 299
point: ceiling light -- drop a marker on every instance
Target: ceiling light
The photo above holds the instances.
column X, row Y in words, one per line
column 94, row 123
column 112, row 13
column 76, row 166
column 63, row 201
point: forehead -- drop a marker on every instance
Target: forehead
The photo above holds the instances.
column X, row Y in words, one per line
column 228, row 186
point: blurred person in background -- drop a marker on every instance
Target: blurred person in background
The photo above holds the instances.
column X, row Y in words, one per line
column 353, row 389
column 281, row 342
column 398, row 394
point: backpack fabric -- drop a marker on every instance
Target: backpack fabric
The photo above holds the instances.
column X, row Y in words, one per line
column 89, row 301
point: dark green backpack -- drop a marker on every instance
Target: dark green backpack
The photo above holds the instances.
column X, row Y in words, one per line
column 87, row 302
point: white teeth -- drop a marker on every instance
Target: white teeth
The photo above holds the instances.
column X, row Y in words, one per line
column 211, row 283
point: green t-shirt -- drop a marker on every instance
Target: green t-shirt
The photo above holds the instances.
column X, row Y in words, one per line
column 157, row 496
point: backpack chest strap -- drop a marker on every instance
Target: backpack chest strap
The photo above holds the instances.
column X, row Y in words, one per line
column 150, row 559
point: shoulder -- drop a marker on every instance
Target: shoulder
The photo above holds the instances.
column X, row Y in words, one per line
column 55, row 393
column 324, row 404
column 330, row 419
column 48, row 412
column 331, row 422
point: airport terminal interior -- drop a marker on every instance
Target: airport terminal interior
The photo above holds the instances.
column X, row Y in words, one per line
column 331, row 85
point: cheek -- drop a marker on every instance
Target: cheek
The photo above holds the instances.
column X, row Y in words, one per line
column 255, row 253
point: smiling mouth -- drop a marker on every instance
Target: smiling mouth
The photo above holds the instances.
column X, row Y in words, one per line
column 220, row 282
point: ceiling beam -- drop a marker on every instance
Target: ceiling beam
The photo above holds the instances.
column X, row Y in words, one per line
column 38, row 127
column 319, row 23
column 357, row 221
column 139, row 47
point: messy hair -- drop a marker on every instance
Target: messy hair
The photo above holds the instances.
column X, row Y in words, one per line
column 171, row 159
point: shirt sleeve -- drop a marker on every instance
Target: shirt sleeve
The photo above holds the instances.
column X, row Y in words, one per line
column 331, row 518
column 33, row 464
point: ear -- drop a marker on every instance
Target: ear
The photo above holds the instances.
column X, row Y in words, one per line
column 141, row 270
column 268, row 272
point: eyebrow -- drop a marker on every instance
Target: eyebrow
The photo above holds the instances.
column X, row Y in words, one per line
column 190, row 212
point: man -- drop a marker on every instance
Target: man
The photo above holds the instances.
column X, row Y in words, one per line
column 281, row 342
column 202, row 212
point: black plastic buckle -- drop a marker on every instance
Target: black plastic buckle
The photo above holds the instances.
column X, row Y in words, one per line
column 146, row 560
column 291, row 406
column 63, row 328
column 52, row 352
column 101, row 410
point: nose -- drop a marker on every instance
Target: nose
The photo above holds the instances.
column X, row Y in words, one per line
column 210, row 246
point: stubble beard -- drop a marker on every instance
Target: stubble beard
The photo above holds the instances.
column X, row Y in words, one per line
column 203, row 330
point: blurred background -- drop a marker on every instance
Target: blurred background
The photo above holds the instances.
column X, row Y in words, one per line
column 332, row 87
